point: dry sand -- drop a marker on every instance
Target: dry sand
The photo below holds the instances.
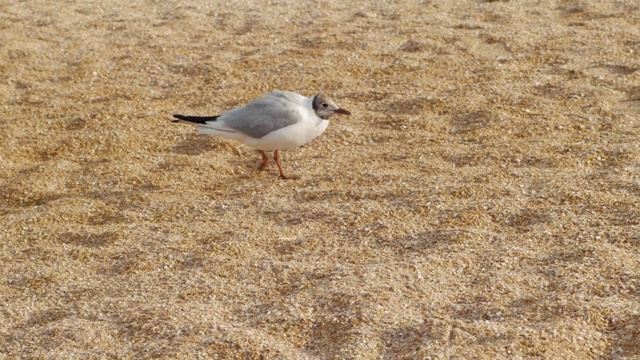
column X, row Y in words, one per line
column 482, row 201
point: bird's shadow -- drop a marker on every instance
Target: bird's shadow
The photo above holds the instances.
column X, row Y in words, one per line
column 194, row 146
column 198, row 145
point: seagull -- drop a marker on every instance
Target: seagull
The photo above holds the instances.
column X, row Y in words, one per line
column 276, row 121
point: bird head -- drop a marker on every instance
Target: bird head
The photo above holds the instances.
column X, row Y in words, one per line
column 325, row 107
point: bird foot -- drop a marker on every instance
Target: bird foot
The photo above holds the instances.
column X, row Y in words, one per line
column 262, row 164
column 289, row 177
column 276, row 157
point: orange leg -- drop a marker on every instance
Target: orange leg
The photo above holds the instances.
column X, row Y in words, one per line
column 276, row 157
column 264, row 162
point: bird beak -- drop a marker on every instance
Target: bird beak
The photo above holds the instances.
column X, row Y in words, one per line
column 342, row 111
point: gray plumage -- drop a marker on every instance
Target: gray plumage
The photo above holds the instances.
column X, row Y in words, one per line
column 278, row 120
column 261, row 116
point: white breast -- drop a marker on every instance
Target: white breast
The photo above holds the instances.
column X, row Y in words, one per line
column 289, row 137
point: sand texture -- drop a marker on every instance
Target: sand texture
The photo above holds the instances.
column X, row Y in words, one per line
column 483, row 200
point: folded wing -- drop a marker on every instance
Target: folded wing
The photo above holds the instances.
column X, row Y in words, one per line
column 273, row 111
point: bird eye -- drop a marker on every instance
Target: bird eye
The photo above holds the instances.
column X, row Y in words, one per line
column 324, row 105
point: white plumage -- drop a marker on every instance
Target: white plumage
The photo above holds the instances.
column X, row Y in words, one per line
column 276, row 121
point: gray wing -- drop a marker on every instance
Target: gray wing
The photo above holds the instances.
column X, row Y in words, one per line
column 261, row 116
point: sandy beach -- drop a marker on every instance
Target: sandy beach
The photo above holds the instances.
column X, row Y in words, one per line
column 482, row 202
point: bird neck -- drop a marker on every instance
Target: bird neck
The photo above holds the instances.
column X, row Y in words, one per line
column 314, row 103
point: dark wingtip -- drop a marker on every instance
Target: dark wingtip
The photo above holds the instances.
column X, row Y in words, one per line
column 194, row 119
